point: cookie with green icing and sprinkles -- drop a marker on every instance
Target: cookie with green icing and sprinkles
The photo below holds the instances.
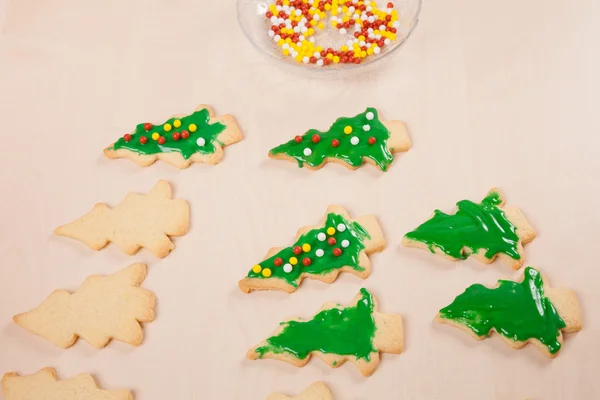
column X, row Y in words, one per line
column 523, row 311
column 485, row 230
column 335, row 334
column 180, row 141
column 350, row 141
column 338, row 244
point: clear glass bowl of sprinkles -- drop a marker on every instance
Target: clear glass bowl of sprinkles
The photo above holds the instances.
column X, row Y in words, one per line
column 328, row 37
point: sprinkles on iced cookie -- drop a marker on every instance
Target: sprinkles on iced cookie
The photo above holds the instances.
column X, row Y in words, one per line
column 294, row 23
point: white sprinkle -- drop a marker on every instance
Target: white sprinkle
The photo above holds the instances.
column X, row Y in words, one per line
column 355, row 16
column 366, row 128
column 381, row 27
column 280, row 21
column 303, row 29
column 287, row 268
column 357, row 26
column 276, row 38
column 200, row 142
column 307, row 151
column 320, row 63
column 296, row 29
column 351, row 10
column 378, row 36
column 343, row 31
column 370, row 30
column 316, row 17
column 345, row 243
column 369, row 9
column 303, row 21
column 363, row 17
column 305, row 60
column 286, row 9
column 377, row 50
column 301, row 38
column 371, row 19
column 362, row 43
column 317, row 54
column 298, row 12
column 321, row 236
column 274, row 19
column 341, row 227
column 279, row 8
column 285, row 46
column 354, row 1
column 354, row 140
column 387, row 41
column 371, row 36
column 370, row 115
column 396, row 24
column 319, row 253
column 349, row 43
column 271, row 33
column 299, row 44
column 311, row 39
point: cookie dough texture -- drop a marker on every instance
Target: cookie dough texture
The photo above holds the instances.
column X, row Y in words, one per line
column 140, row 220
column 230, row 135
column 44, row 385
column 316, row 391
column 103, row 308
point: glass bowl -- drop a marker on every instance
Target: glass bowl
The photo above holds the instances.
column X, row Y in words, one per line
column 254, row 24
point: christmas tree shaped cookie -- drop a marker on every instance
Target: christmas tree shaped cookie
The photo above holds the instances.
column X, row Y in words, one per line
column 357, row 333
column 521, row 311
column 141, row 220
column 103, row 308
column 485, row 230
column 316, row 391
column 44, row 385
column 180, row 141
column 349, row 141
column 338, row 244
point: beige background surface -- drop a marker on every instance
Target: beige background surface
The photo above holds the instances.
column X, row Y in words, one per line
column 494, row 93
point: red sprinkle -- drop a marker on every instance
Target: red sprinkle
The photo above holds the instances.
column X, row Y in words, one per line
column 335, row 143
column 147, row 126
column 297, row 250
column 306, row 261
column 316, row 138
column 161, row 140
column 326, row 61
column 298, row 139
column 313, row 60
column 390, row 5
column 185, row 134
column 176, row 136
column 337, row 252
column 127, row 137
column 278, row 261
column 372, row 140
column 143, row 139
column 331, row 241
column 269, row 14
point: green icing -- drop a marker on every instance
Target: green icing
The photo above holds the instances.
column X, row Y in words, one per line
column 517, row 310
column 187, row 147
column 351, row 153
column 353, row 232
column 342, row 331
column 473, row 227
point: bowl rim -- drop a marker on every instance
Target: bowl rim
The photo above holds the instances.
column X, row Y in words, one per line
column 346, row 67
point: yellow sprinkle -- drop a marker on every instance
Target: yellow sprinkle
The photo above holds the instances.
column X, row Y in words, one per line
column 321, row 25
column 347, row 131
column 313, row 22
column 344, row 9
column 286, row 52
column 328, row 7
column 192, row 127
column 286, row 2
column 331, row 230
column 336, row 59
column 369, row 51
column 361, row 37
column 177, row 123
column 310, row 32
column 280, row 42
column 306, row 247
column 256, row 269
column 155, row 136
column 167, row 127
column 266, row 272
column 299, row 58
column 344, row 48
column 392, row 36
column 330, row 56
column 363, row 54
column 345, row 18
column 293, row 260
column 312, row 11
column 288, row 40
column 334, row 22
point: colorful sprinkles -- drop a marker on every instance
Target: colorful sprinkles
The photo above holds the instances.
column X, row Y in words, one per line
column 295, row 22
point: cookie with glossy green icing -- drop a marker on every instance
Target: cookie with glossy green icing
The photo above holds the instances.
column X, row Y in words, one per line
column 183, row 139
column 357, row 333
column 349, row 141
column 526, row 310
column 484, row 230
column 337, row 244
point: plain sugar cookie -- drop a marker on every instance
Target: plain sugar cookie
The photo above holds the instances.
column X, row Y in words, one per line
column 485, row 230
column 357, row 333
column 180, row 141
column 103, row 308
column 44, row 385
column 141, row 220
column 338, row 244
column 316, row 391
column 523, row 311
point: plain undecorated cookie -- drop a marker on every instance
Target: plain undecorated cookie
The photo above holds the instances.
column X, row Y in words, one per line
column 316, row 391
